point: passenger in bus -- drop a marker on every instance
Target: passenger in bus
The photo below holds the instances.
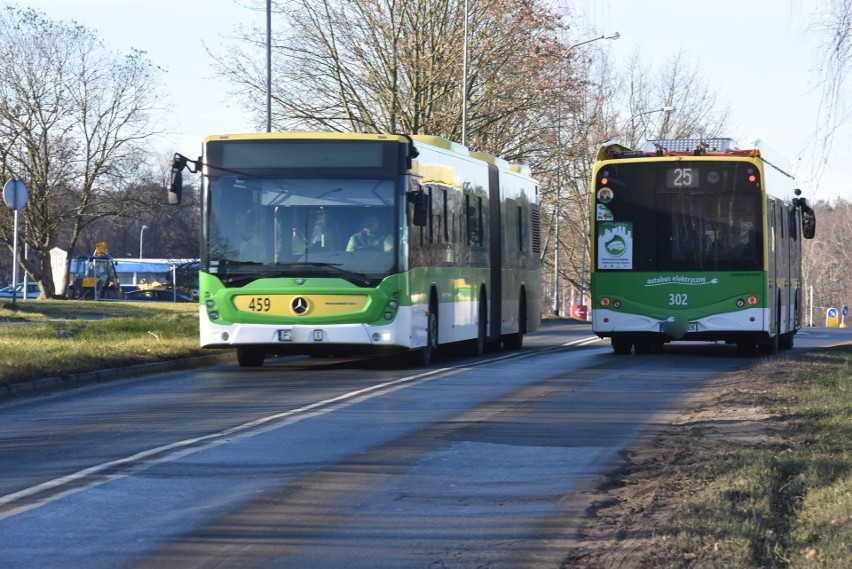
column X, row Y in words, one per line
column 369, row 237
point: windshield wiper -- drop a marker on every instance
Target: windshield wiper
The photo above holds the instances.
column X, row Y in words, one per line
column 287, row 269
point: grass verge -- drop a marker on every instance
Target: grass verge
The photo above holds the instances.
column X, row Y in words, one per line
column 783, row 499
column 47, row 338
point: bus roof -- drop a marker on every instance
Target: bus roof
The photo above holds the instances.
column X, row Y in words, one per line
column 431, row 140
column 677, row 147
column 720, row 147
column 306, row 136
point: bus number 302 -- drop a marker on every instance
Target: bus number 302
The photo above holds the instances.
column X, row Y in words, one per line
column 678, row 299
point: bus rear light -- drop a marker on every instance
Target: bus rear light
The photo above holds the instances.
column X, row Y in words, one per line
column 605, row 301
column 740, row 303
column 751, row 319
column 752, row 300
column 616, row 304
column 606, row 320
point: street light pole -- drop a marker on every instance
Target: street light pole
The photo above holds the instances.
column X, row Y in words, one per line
column 609, row 36
column 667, row 109
column 465, row 56
column 268, row 68
column 557, row 240
column 141, row 231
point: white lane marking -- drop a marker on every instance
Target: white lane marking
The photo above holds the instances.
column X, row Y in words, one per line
column 172, row 451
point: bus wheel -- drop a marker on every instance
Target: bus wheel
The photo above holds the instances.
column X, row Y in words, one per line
column 768, row 347
column 785, row 342
column 516, row 341
column 621, row 347
column 745, row 348
column 648, row 347
column 476, row 347
column 427, row 351
column 250, row 356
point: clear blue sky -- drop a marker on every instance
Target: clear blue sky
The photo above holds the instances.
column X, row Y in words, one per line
column 757, row 54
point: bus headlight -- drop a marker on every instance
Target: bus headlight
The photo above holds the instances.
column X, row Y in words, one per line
column 384, row 336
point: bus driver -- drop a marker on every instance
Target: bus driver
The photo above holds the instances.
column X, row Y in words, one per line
column 369, row 237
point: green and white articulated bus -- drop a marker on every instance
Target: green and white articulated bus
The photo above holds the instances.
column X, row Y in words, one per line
column 696, row 240
column 328, row 243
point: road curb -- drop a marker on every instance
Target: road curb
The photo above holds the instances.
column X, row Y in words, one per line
column 72, row 380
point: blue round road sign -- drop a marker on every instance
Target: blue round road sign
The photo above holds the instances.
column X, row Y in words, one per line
column 15, row 194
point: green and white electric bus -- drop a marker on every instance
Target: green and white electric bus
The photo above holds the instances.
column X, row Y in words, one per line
column 696, row 240
column 328, row 243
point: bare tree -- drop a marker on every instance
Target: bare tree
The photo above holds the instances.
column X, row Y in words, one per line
column 678, row 85
column 396, row 66
column 832, row 20
column 827, row 259
column 74, row 123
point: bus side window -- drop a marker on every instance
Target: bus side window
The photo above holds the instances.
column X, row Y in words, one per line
column 473, row 219
column 520, row 211
column 445, row 230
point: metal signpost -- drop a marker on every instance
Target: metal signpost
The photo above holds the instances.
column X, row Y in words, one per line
column 15, row 194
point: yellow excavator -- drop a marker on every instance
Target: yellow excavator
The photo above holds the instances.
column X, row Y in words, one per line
column 95, row 277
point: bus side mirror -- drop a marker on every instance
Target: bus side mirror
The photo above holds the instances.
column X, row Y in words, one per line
column 808, row 224
column 808, row 215
column 175, row 185
column 421, row 207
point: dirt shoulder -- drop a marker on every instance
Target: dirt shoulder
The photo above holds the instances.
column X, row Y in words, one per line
column 633, row 517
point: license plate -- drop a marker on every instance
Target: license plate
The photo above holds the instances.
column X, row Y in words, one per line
column 285, row 335
column 317, row 335
column 692, row 327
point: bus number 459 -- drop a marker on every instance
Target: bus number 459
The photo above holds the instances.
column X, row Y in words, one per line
column 260, row 304
column 678, row 299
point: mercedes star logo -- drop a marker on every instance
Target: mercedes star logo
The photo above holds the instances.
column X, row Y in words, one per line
column 299, row 305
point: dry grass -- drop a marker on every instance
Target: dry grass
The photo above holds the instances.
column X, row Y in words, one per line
column 758, row 474
column 47, row 338
column 783, row 499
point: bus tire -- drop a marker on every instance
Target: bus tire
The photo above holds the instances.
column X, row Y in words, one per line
column 769, row 347
column 516, row 341
column 745, row 348
column 250, row 356
column 476, row 347
column 621, row 347
column 427, row 352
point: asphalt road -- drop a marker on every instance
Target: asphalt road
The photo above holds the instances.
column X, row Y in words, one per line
column 339, row 463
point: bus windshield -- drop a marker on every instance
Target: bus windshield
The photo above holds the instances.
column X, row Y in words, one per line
column 679, row 216
column 271, row 227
